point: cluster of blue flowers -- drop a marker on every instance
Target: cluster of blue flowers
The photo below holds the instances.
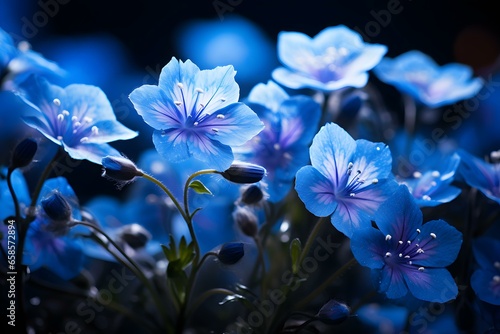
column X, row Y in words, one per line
column 221, row 208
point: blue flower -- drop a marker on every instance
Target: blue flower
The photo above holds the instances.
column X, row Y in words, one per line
column 385, row 318
column 485, row 281
column 18, row 63
column 78, row 117
column 433, row 187
column 196, row 114
column 348, row 177
column 335, row 58
column 282, row 147
column 49, row 242
column 405, row 255
column 480, row 174
column 417, row 75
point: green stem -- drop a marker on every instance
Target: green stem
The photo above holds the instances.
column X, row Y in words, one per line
column 169, row 194
column 260, row 262
column 132, row 266
column 311, row 238
column 410, row 110
column 338, row 273
column 45, row 174
column 13, row 193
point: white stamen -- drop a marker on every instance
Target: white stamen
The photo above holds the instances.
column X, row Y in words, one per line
column 84, row 139
column 418, row 230
column 220, row 116
column 95, row 130
column 180, row 85
column 400, row 242
column 388, row 237
column 388, row 254
column 496, row 264
column 421, row 269
column 87, row 119
column 407, row 256
column 65, row 113
column 196, row 123
column 287, row 155
column 352, row 194
column 400, row 255
column 177, row 103
column 426, row 198
column 374, row 181
column 496, row 278
column 410, row 262
column 433, row 183
column 417, row 174
column 24, row 46
column 199, row 90
column 74, row 119
column 276, row 146
column 408, row 242
column 378, row 148
column 420, row 251
column 349, row 165
column 60, row 117
column 435, row 173
column 57, row 102
column 59, row 137
column 77, row 124
column 433, row 235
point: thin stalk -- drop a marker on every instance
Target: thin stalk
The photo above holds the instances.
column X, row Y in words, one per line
column 205, row 296
column 311, row 238
column 338, row 273
column 169, row 194
column 132, row 266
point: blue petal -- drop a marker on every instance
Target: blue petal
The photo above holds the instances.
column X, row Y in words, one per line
column 291, row 47
column 299, row 121
column 331, row 151
column 392, row 282
column 91, row 152
column 87, row 101
column 350, row 217
column 440, row 251
column 315, row 191
column 233, row 125
column 110, row 130
column 370, row 56
column 399, row 216
column 61, row 184
column 269, row 95
column 368, row 246
column 433, row 285
column 157, row 110
column 482, row 284
column 177, row 146
column 374, row 160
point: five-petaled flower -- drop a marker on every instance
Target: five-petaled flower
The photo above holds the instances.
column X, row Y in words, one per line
column 335, row 58
column 406, row 255
column 349, row 177
column 282, row 147
column 416, row 74
column 196, row 114
column 78, row 117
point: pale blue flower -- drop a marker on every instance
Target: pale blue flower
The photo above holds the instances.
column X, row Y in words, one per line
column 335, row 58
column 416, row 74
column 347, row 178
column 196, row 114
column 78, row 117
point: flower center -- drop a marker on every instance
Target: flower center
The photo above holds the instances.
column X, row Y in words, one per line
column 406, row 252
column 75, row 127
column 354, row 182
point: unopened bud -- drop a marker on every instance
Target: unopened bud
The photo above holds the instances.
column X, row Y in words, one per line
column 56, row 207
column 333, row 312
column 135, row 235
column 23, row 153
column 243, row 172
column 231, row 252
column 252, row 195
column 120, row 169
column 246, row 220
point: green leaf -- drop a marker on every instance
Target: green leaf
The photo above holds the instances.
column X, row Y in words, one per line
column 199, row 187
column 295, row 251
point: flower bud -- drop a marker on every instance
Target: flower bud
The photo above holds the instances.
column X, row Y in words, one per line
column 252, row 195
column 23, row 153
column 120, row 169
column 243, row 172
column 333, row 312
column 231, row 252
column 246, row 220
column 135, row 235
column 56, row 207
